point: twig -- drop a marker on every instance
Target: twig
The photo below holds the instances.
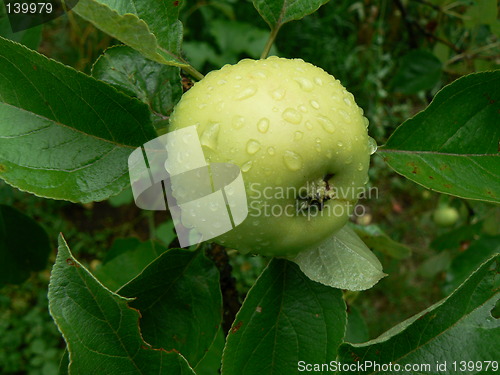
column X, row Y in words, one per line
column 408, row 24
column 230, row 297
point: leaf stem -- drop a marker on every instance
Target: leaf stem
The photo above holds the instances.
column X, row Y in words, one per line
column 270, row 42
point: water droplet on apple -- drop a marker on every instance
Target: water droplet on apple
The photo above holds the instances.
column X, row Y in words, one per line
column 187, row 138
column 278, row 94
column 238, row 122
column 345, row 116
column 220, row 106
column 327, row 124
column 347, row 101
column 229, row 189
column 293, row 161
column 221, row 82
column 260, row 74
column 360, row 167
column 340, row 144
column 318, row 81
column 304, row 83
column 247, row 166
column 253, row 146
column 292, row 116
column 314, row 104
column 298, row 135
column 271, row 151
column 303, row 108
column 348, row 160
column 247, row 93
column 372, row 145
column 209, row 138
column 317, row 146
column 366, row 122
column 263, row 125
column 214, row 206
column 309, row 126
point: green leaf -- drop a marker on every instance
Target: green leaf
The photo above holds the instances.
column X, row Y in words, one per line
column 285, row 318
column 452, row 146
column 236, row 38
column 157, row 85
column 376, row 239
column 24, row 246
column 278, row 12
column 165, row 232
column 453, row 239
column 31, row 37
column 125, row 260
column 64, row 135
column 180, row 302
column 210, row 364
column 151, row 27
column 126, row 197
column 466, row 262
column 341, row 261
column 357, row 330
column 458, row 328
column 99, row 327
column 64, row 363
column 418, row 70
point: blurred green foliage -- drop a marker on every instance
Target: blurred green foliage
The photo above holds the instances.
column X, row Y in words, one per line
column 366, row 44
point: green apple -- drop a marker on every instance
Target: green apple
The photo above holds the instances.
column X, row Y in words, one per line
column 300, row 140
column 445, row 216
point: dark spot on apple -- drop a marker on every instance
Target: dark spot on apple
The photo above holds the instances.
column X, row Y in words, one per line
column 431, row 177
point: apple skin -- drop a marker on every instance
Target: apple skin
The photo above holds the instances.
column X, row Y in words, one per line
column 288, row 125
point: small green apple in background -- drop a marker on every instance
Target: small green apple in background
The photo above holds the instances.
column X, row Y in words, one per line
column 445, row 216
column 301, row 143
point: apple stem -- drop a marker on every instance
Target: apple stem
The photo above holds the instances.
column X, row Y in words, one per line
column 270, row 42
column 193, row 72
